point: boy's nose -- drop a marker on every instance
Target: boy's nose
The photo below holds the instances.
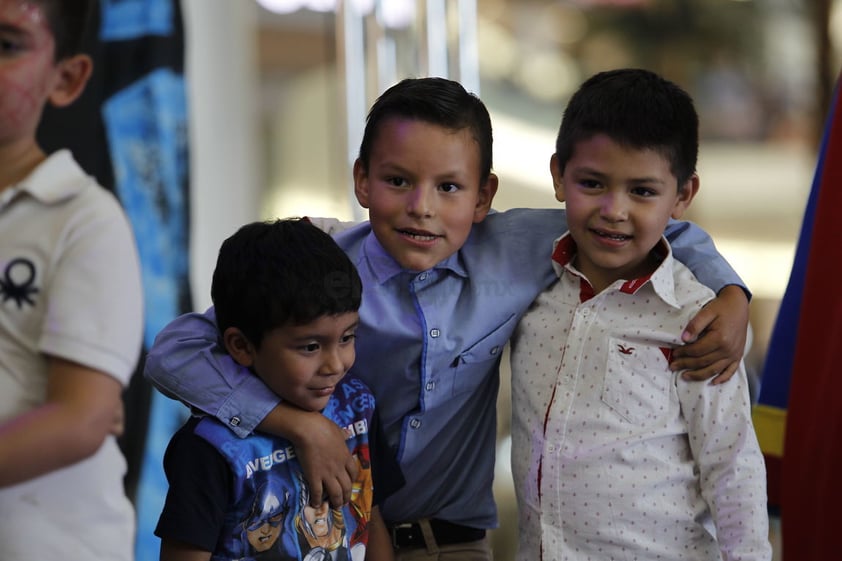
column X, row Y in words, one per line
column 332, row 363
column 613, row 208
column 421, row 202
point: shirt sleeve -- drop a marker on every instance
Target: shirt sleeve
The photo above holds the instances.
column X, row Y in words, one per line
column 186, row 362
column 331, row 226
column 94, row 310
column 731, row 467
column 198, row 495
column 694, row 247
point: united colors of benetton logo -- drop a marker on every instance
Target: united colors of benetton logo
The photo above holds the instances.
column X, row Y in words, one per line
column 17, row 282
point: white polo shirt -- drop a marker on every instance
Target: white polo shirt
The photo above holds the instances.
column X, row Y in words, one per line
column 69, row 287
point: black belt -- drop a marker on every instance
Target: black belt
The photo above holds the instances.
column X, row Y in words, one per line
column 446, row 533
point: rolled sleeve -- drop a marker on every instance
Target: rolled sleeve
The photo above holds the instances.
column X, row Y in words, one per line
column 187, row 363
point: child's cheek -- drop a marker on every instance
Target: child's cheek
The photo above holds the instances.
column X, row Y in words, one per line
column 17, row 101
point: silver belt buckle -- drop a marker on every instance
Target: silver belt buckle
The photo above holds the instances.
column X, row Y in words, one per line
column 394, row 532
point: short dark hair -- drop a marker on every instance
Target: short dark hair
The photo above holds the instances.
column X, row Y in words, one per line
column 636, row 108
column 68, row 21
column 282, row 272
column 437, row 101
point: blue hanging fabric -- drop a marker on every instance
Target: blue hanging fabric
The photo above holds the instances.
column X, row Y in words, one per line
column 144, row 117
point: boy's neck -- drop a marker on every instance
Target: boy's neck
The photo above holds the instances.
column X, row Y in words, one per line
column 600, row 282
column 17, row 161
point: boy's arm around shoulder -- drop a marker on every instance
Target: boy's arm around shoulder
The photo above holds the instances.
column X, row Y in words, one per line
column 186, row 362
column 716, row 336
column 328, row 466
column 693, row 247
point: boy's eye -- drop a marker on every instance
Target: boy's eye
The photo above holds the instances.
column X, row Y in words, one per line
column 309, row 347
column 396, row 181
column 10, row 46
column 448, row 187
column 348, row 337
column 589, row 183
column 644, row 192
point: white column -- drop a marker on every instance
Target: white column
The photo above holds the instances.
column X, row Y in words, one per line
column 225, row 163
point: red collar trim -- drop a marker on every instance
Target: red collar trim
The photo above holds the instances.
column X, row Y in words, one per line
column 565, row 249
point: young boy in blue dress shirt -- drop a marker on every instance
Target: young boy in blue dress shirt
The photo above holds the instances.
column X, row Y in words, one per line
column 445, row 283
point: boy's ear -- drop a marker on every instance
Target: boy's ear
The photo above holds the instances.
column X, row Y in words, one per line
column 361, row 183
column 486, row 196
column 685, row 196
column 238, row 346
column 558, row 178
column 73, row 75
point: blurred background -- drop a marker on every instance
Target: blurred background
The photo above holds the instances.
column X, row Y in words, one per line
column 279, row 89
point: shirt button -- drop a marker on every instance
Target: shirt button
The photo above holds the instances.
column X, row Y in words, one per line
column 234, row 422
column 434, row 332
column 422, row 276
column 551, row 448
column 415, row 423
column 430, row 386
column 494, row 350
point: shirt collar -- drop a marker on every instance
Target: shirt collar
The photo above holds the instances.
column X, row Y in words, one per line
column 661, row 279
column 384, row 266
column 50, row 182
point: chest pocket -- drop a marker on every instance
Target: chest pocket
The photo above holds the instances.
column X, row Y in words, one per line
column 637, row 381
column 473, row 364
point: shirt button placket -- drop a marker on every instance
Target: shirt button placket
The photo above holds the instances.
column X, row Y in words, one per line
column 435, row 333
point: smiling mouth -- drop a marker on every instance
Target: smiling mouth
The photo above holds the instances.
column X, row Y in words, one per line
column 612, row 236
column 326, row 390
column 419, row 236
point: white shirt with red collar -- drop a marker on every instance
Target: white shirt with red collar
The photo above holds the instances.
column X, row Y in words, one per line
column 614, row 456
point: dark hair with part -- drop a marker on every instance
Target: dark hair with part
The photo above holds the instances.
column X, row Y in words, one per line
column 636, row 108
column 282, row 272
column 437, row 101
column 68, row 21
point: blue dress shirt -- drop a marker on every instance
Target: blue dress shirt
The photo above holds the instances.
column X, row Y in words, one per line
column 429, row 347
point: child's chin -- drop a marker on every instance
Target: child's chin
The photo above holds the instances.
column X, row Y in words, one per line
column 417, row 265
column 313, row 405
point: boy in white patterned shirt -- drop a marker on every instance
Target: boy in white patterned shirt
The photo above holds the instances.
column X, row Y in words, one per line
column 614, row 456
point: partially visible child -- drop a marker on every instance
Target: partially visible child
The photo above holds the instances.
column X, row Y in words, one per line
column 614, row 456
column 286, row 298
column 445, row 283
column 70, row 309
